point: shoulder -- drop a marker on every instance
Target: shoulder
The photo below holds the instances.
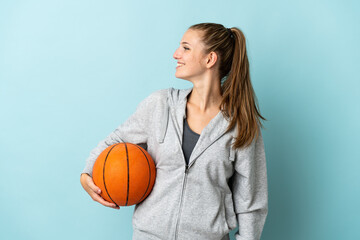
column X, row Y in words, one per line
column 168, row 95
column 154, row 97
column 158, row 95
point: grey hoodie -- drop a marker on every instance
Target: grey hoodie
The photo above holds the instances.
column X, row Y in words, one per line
column 220, row 189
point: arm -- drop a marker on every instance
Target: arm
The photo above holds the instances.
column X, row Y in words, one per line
column 133, row 130
column 250, row 190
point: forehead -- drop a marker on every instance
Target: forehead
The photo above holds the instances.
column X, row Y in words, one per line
column 193, row 37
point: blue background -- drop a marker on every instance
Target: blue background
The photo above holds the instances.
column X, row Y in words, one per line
column 72, row 71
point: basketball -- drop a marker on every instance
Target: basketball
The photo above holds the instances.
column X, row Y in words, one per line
column 125, row 173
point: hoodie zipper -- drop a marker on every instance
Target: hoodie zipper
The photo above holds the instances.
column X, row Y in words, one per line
column 174, row 121
column 182, row 193
column 185, row 175
column 181, row 201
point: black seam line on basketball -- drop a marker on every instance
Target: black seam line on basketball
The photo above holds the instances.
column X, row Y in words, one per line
column 104, row 173
column 149, row 173
column 128, row 178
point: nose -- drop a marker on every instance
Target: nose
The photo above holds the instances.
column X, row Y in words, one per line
column 176, row 54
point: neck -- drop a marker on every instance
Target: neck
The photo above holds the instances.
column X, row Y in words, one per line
column 206, row 95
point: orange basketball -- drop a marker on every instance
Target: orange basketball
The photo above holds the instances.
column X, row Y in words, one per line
column 125, row 173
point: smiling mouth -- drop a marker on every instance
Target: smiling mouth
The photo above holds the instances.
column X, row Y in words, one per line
column 179, row 65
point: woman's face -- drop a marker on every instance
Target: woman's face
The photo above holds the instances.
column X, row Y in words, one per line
column 191, row 60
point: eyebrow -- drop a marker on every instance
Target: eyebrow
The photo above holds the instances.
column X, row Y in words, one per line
column 186, row 43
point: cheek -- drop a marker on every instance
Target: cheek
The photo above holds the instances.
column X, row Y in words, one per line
column 199, row 60
column 194, row 61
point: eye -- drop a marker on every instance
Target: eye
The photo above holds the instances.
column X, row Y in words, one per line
column 186, row 48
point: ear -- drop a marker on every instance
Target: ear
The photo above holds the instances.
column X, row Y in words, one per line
column 211, row 59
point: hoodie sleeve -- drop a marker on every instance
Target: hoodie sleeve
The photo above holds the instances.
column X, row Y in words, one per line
column 133, row 130
column 250, row 190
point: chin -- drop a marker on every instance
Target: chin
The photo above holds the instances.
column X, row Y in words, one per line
column 183, row 78
column 180, row 77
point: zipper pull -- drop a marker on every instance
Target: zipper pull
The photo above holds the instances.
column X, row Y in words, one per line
column 186, row 168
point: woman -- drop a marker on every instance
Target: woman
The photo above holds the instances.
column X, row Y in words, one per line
column 206, row 143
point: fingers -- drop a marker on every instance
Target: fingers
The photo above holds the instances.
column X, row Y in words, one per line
column 94, row 192
column 100, row 200
column 92, row 185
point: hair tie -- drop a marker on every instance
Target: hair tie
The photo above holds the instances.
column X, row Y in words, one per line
column 230, row 32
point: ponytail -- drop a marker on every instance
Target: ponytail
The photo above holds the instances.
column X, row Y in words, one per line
column 239, row 103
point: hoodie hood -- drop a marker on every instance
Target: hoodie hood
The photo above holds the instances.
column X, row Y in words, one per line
column 178, row 96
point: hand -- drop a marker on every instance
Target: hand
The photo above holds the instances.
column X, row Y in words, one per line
column 94, row 191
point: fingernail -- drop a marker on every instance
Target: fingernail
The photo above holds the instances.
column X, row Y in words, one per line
column 99, row 191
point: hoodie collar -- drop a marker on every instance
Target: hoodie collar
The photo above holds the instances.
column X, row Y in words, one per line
column 211, row 132
column 178, row 96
